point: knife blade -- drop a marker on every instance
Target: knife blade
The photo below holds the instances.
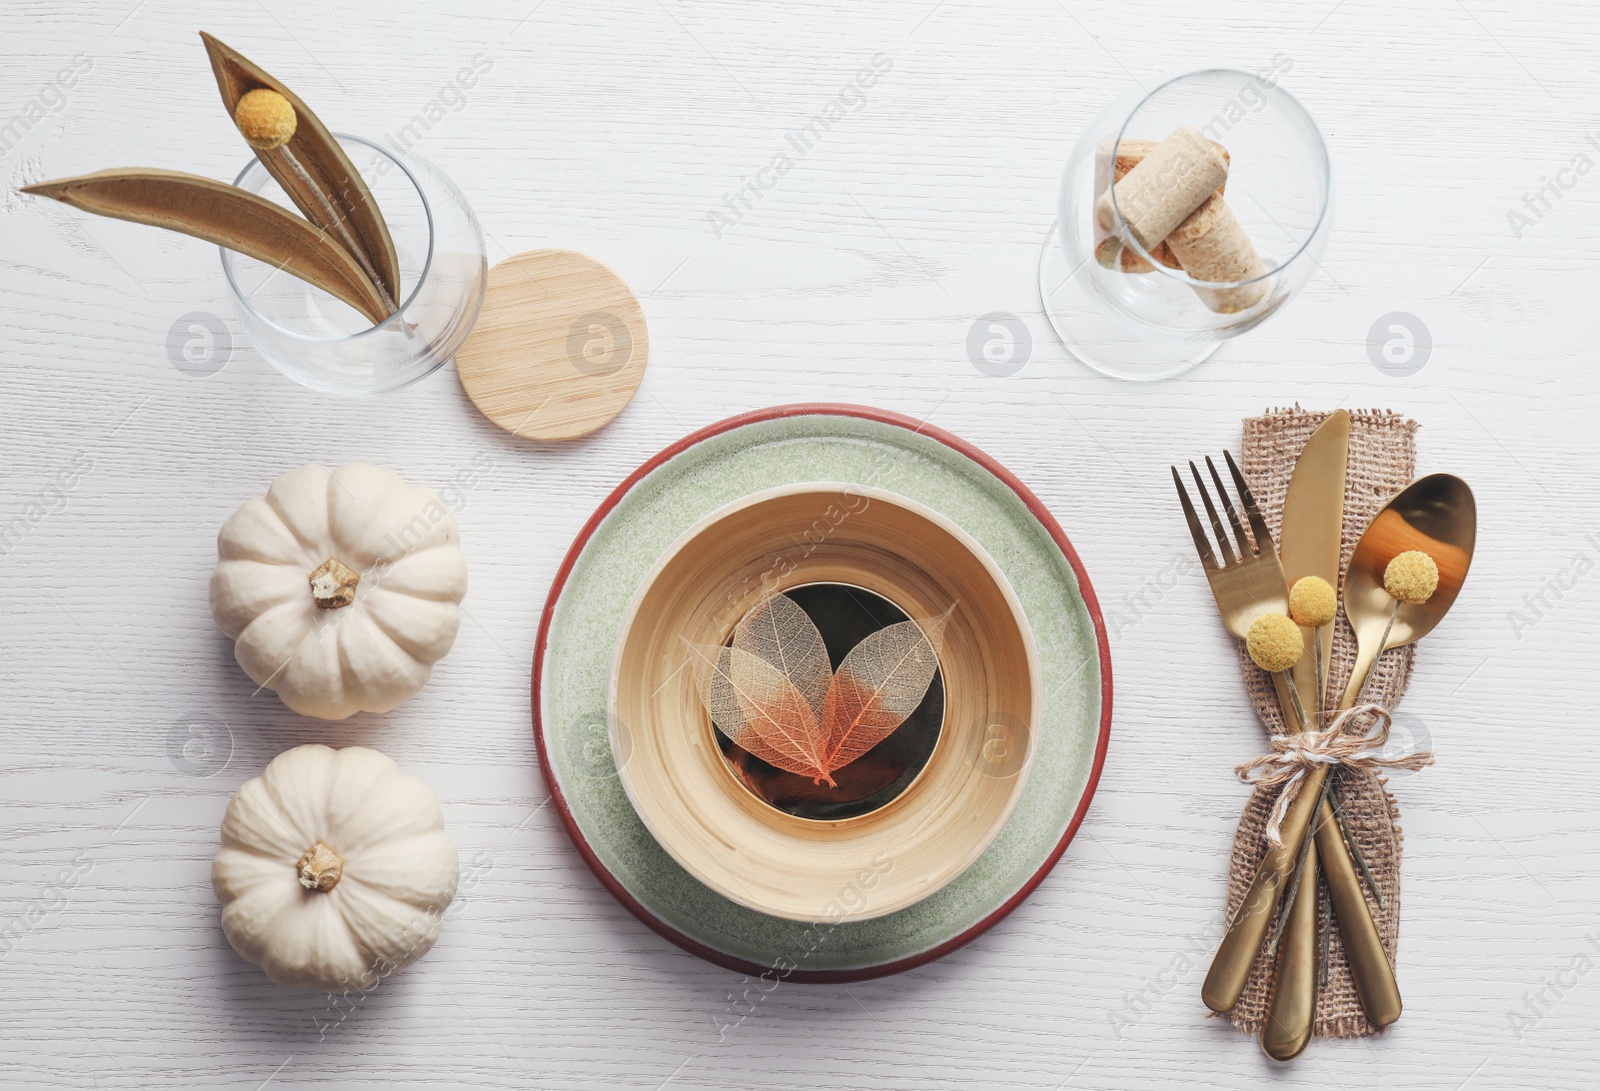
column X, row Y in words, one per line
column 1312, row 537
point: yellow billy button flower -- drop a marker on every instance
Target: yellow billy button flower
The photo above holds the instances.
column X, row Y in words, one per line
column 1312, row 602
column 1275, row 643
column 1412, row 577
column 265, row 118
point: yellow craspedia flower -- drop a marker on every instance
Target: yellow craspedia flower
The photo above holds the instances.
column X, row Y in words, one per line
column 1275, row 643
column 1312, row 602
column 1411, row 577
column 265, row 118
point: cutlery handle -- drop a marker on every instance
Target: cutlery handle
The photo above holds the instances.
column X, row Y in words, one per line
column 1230, row 968
column 1287, row 704
column 1292, row 1011
column 1369, row 963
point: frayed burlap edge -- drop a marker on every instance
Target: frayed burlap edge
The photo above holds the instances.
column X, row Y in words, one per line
column 1382, row 462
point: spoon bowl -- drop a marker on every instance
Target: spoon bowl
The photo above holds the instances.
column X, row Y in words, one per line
column 1436, row 515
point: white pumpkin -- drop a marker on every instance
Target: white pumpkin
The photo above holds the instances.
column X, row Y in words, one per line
column 340, row 590
column 334, row 869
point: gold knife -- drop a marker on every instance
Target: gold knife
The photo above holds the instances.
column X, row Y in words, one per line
column 1311, row 540
column 1310, row 544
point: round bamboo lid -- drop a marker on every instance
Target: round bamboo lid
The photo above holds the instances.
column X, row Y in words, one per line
column 558, row 349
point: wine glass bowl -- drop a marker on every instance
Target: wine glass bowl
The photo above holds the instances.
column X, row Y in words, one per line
column 324, row 343
column 1160, row 320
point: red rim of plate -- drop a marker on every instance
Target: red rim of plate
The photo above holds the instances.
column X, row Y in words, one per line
column 955, row 443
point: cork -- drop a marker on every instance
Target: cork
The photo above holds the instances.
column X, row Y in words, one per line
column 1109, row 170
column 1212, row 245
column 1163, row 188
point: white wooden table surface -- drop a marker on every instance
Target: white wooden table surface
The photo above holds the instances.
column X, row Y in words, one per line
column 617, row 129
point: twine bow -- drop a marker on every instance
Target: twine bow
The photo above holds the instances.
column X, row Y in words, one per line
column 1293, row 758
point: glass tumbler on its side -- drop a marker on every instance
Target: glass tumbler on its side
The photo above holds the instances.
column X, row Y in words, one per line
column 1161, row 321
column 325, row 344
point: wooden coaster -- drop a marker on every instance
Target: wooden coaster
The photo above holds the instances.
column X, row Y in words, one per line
column 558, row 349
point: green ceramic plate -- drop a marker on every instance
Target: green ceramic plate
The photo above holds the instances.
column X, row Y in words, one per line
column 720, row 464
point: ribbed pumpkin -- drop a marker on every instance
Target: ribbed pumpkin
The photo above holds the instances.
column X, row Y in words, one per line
column 340, row 590
column 334, row 869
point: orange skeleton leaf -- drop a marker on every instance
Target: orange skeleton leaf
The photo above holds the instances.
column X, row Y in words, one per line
column 773, row 693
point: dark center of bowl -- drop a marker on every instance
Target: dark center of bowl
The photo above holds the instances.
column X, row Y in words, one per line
column 845, row 615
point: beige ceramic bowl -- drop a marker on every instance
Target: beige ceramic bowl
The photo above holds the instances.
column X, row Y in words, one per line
column 667, row 755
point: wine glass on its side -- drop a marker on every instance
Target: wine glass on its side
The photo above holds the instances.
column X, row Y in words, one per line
column 1135, row 313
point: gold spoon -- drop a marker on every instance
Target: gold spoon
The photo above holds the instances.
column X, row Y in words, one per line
column 1438, row 516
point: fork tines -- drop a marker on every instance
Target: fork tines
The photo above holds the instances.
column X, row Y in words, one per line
column 1258, row 525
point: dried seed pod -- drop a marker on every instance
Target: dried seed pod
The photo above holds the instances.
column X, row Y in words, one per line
column 315, row 172
column 224, row 215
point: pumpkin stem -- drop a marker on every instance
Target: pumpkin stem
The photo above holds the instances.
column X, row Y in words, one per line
column 320, row 868
column 333, row 584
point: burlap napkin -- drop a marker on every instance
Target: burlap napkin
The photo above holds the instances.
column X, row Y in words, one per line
column 1382, row 462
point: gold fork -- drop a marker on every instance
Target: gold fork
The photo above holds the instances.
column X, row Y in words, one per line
column 1246, row 586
